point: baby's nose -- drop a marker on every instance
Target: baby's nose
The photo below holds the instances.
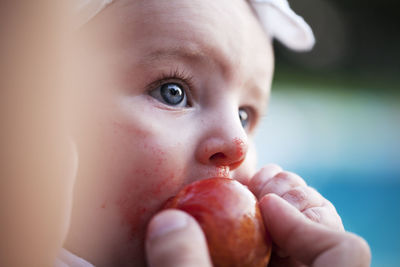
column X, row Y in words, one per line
column 223, row 150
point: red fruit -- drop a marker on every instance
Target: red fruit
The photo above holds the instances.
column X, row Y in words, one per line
column 230, row 217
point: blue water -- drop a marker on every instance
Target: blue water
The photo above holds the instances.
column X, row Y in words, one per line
column 370, row 210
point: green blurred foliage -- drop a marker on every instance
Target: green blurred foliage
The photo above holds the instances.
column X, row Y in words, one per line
column 358, row 43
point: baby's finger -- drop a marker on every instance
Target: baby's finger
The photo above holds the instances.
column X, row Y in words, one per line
column 326, row 215
column 257, row 183
column 308, row 242
column 174, row 239
column 282, row 183
column 303, row 197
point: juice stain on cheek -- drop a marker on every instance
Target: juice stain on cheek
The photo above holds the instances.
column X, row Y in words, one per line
column 144, row 191
column 241, row 147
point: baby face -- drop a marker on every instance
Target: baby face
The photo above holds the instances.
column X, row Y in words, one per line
column 180, row 87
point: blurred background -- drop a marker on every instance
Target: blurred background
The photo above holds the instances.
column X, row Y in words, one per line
column 334, row 116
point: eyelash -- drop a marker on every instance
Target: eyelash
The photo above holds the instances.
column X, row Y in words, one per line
column 176, row 74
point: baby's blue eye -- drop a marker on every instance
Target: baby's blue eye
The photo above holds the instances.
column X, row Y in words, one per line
column 172, row 94
column 244, row 117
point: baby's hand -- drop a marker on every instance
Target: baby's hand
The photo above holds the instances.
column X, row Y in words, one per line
column 292, row 188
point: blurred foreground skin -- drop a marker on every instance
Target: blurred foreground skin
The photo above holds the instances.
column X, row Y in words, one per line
column 37, row 161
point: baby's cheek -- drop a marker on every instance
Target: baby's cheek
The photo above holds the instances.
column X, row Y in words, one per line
column 145, row 189
column 153, row 168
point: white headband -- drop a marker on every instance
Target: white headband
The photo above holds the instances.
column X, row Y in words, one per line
column 277, row 18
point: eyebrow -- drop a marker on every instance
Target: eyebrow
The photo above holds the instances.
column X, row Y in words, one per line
column 173, row 52
column 191, row 53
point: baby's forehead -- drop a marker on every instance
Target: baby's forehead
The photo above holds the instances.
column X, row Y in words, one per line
column 278, row 20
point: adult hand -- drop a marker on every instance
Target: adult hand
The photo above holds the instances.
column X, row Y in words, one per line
column 38, row 162
column 174, row 239
column 309, row 243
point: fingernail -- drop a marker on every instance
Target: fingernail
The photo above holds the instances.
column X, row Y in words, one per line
column 166, row 222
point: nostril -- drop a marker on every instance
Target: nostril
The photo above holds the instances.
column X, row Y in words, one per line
column 222, row 151
column 218, row 157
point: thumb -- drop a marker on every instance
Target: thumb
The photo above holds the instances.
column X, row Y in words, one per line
column 174, row 239
column 309, row 242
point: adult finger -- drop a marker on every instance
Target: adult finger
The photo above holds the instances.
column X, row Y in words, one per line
column 174, row 239
column 309, row 242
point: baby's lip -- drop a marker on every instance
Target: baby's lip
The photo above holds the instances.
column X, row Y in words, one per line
column 209, row 172
column 223, row 172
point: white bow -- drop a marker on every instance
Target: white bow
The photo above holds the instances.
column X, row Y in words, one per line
column 280, row 21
